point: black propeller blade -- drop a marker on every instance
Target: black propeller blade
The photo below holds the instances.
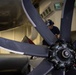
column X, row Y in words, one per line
column 42, row 69
column 58, row 72
column 37, row 22
column 66, row 20
column 25, row 48
column 71, row 72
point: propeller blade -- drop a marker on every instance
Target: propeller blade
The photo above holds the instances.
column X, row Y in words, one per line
column 43, row 68
column 24, row 48
column 71, row 72
column 66, row 21
column 58, row 72
column 37, row 22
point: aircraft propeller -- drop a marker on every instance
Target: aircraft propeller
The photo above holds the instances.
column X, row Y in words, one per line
column 61, row 54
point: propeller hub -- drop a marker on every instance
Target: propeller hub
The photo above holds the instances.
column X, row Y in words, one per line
column 62, row 56
column 66, row 54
